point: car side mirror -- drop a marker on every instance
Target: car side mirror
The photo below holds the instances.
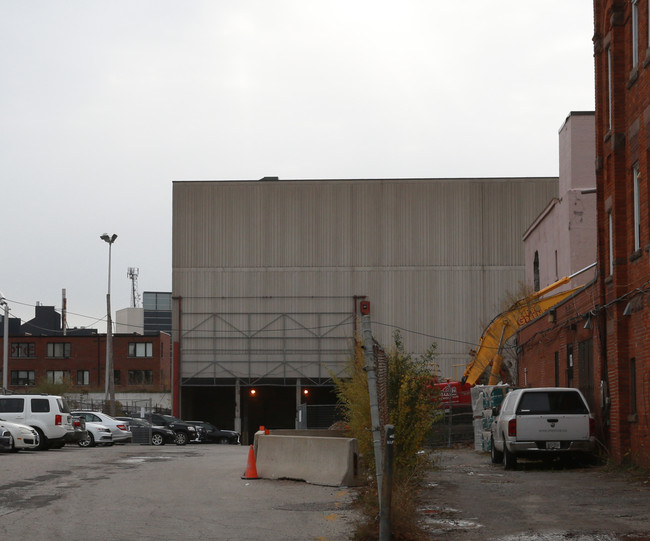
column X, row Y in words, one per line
column 495, row 412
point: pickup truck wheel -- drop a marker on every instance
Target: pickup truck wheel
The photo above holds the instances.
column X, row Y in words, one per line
column 157, row 439
column 181, row 438
column 509, row 460
column 495, row 456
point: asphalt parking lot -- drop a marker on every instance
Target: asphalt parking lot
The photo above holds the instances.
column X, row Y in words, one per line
column 468, row 498
column 142, row 492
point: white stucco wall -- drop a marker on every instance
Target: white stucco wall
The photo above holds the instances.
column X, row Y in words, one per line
column 564, row 235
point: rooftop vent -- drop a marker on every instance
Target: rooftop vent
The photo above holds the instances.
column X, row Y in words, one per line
column 264, row 179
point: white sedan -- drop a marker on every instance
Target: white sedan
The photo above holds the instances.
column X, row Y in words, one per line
column 23, row 436
column 119, row 429
column 96, row 434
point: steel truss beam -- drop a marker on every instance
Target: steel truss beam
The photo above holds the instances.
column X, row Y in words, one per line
column 235, row 352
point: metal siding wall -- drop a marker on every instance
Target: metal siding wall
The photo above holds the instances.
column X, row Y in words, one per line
column 432, row 256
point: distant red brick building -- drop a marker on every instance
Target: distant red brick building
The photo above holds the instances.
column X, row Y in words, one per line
column 599, row 339
column 141, row 363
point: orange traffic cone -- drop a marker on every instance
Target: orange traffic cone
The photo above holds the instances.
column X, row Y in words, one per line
column 251, row 468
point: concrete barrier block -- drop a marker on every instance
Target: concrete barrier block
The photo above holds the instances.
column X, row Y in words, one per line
column 316, row 460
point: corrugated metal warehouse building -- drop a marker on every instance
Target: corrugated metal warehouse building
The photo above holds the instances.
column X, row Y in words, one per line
column 267, row 278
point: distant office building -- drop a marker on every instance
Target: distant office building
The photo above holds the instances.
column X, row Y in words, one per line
column 13, row 323
column 157, row 306
column 155, row 315
column 141, row 363
column 129, row 320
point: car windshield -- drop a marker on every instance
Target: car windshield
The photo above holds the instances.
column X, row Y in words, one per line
column 551, row 402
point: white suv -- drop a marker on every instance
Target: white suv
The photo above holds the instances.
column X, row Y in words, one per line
column 49, row 415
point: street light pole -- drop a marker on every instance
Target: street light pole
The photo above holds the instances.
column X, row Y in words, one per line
column 5, row 344
column 110, row 380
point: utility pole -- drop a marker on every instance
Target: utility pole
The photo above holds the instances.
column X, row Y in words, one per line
column 369, row 355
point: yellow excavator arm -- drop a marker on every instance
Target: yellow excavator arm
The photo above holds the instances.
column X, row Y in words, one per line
column 505, row 325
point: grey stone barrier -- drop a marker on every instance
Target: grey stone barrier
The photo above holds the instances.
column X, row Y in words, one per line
column 329, row 461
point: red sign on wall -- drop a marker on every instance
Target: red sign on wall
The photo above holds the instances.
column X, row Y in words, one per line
column 454, row 393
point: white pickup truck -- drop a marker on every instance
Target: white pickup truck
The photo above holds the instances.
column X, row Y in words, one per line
column 539, row 423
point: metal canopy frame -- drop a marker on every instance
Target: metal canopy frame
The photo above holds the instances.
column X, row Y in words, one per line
column 230, row 352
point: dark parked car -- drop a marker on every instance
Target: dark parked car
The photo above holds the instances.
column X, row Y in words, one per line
column 145, row 432
column 212, row 434
column 185, row 432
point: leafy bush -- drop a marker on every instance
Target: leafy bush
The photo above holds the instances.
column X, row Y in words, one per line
column 413, row 408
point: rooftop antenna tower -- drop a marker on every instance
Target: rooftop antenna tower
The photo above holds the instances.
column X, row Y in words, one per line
column 132, row 274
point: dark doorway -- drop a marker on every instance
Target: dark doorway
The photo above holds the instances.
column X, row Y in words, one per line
column 215, row 405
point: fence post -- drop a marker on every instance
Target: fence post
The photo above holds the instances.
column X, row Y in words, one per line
column 372, row 392
column 387, row 490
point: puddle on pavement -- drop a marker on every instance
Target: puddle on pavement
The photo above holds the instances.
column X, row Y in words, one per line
column 439, row 526
column 565, row 536
column 142, row 459
column 437, row 521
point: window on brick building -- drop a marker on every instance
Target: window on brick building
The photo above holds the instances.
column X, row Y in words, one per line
column 610, row 233
column 569, row 364
column 23, row 350
column 633, row 409
column 83, row 377
column 140, row 377
column 22, row 377
column 635, row 33
column 141, row 349
column 636, row 179
column 610, row 84
column 536, row 271
column 59, row 350
column 116, row 377
column 57, row 376
column 557, row 368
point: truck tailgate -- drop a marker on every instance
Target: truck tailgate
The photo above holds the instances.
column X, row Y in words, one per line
column 552, row 427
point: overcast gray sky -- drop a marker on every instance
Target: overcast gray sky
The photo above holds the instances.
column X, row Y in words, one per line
column 104, row 103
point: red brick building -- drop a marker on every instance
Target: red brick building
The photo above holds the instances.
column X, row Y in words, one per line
column 598, row 340
column 141, row 363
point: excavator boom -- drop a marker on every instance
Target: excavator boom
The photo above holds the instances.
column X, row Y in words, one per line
column 505, row 325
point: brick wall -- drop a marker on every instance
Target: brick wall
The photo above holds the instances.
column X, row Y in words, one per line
column 88, row 353
column 618, row 300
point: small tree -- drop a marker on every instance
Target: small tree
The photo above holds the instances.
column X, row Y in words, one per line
column 354, row 402
column 411, row 399
column 60, row 388
column 412, row 404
